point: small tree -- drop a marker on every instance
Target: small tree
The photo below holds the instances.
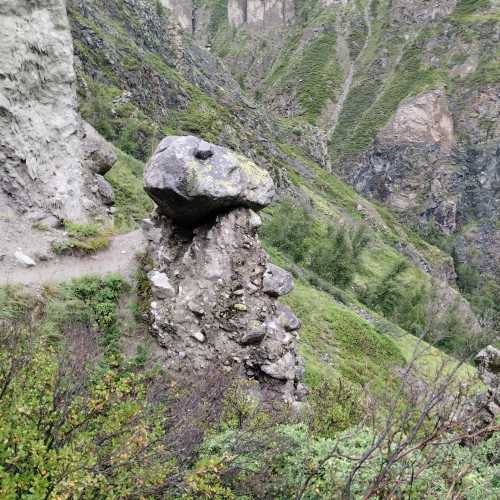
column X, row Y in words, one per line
column 336, row 257
column 289, row 229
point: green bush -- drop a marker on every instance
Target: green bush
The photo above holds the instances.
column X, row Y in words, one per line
column 76, row 421
column 288, row 229
column 336, row 256
column 392, row 297
column 289, row 461
column 83, row 239
column 468, row 278
column 333, row 255
column 131, row 201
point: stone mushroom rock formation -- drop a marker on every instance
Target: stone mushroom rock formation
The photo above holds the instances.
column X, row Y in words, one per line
column 192, row 180
column 213, row 304
column 488, row 367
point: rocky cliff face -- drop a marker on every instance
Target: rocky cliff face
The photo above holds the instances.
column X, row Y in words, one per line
column 406, row 94
column 49, row 158
column 214, row 290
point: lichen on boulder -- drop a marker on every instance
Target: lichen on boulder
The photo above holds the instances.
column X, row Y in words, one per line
column 191, row 180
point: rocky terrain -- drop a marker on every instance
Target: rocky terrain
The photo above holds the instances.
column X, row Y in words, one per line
column 249, row 249
column 409, row 92
column 51, row 161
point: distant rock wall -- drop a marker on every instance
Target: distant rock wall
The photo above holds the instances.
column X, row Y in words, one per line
column 249, row 14
column 260, row 13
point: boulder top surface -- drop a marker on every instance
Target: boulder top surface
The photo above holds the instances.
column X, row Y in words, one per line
column 192, row 180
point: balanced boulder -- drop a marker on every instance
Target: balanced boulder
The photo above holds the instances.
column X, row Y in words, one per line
column 191, row 180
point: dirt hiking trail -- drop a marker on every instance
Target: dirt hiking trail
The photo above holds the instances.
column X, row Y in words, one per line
column 120, row 258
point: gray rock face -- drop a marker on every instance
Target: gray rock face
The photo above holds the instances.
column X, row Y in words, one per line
column 488, row 364
column 488, row 404
column 277, row 281
column 160, row 285
column 190, row 185
column 105, row 189
column 287, row 319
column 46, row 170
column 42, row 161
column 97, row 151
column 219, row 314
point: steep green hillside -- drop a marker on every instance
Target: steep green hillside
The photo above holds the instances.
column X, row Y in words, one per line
column 168, row 101
column 380, row 250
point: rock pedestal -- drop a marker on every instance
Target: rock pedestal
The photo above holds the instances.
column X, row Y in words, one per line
column 215, row 292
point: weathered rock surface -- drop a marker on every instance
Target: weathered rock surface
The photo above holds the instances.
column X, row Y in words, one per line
column 98, row 153
column 192, row 181
column 47, row 164
column 276, row 281
column 216, row 312
column 488, row 365
column 424, row 119
column 42, row 159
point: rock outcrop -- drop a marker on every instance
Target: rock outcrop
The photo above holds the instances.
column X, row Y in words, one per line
column 214, row 289
column 48, row 156
column 488, row 366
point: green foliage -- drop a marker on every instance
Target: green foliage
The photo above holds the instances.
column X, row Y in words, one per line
column 14, row 302
column 318, row 75
column 83, row 239
column 392, row 297
column 352, row 348
column 335, row 406
column 160, row 10
column 313, row 69
column 205, row 481
column 203, row 117
column 336, row 257
column 131, row 202
column 119, row 120
column 314, row 467
column 218, row 16
column 468, row 7
column 75, row 421
column 468, row 278
column 288, row 229
column 371, row 103
column 333, row 255
column 89, row 301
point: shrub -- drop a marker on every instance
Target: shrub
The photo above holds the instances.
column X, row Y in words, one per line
column 336, row 256
column 288, row 229
column 395, row 300
column 468, row 278
column 83, row 239
column 74, row 421
column 131, row 201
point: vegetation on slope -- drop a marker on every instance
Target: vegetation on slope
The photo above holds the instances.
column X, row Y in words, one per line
column 93, row 421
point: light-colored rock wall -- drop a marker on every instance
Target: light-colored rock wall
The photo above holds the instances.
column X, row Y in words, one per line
column 182, row 10
column 423, row 119
column 41, row 163
column 260, row 13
